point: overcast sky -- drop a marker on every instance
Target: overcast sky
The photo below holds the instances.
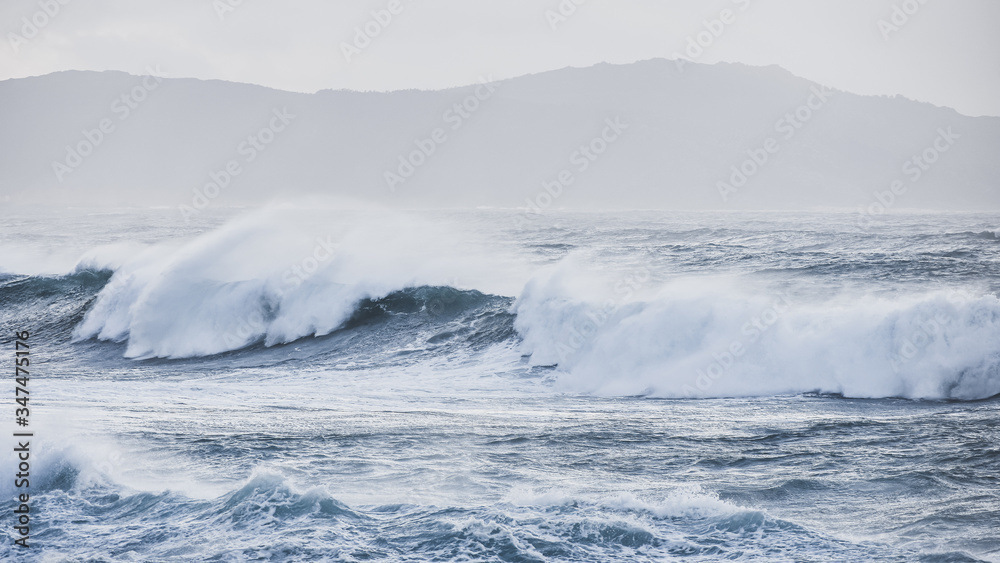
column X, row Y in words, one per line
column 946, row 52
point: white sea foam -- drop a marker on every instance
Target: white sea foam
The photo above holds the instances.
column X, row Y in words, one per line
column 682, row 502
column 705, row 338
column 109, row 257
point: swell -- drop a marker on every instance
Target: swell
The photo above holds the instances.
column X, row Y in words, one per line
column 410, row 326
column 49, row 306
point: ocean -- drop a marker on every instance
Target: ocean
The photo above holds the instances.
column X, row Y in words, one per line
column 308, row 382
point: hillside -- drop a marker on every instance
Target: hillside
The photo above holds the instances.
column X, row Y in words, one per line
column 669, row 139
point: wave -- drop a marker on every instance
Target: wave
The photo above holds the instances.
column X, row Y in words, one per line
column 82, row 503
column 265, row 279
column 703, row 338
column 267, row 516
column 987, row 235
column 968, row 236
column 418, row 322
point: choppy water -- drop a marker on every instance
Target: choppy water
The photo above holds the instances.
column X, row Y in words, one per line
column 323, row 385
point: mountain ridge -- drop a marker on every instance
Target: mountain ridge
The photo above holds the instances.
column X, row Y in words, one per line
column 686, row 134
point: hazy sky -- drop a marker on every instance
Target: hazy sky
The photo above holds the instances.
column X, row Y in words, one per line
column 946, row 52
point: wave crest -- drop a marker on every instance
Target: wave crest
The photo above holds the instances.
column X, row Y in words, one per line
column 265, row 279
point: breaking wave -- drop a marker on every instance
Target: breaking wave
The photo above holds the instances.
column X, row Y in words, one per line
column 707, row 338
column 263, row 281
